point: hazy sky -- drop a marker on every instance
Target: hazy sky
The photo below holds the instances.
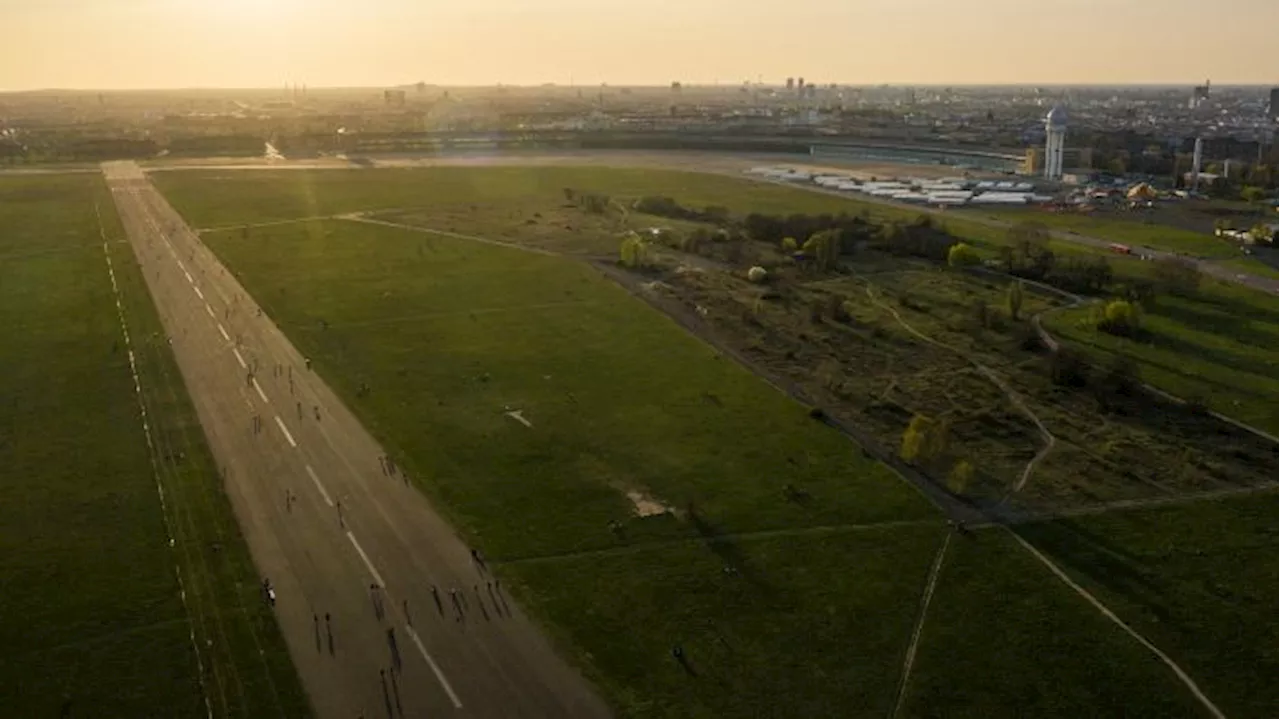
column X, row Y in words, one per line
column 264, row 43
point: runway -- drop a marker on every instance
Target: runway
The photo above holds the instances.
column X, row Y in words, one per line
column 384, row 610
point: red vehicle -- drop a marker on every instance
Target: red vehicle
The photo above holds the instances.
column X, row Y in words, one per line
column 1122, row 249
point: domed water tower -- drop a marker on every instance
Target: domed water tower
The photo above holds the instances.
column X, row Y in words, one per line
column 1055, row 138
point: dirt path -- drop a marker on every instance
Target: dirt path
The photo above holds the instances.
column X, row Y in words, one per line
column 930, row 584
column 990, row 374
column 1177, row 670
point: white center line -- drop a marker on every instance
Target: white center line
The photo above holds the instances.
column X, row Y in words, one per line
column 319, row 486
column 180, row 265
column 239, row 359
column 258, row 388
column 190, row 280
column 223, row 331
column 198, row 292
column 286, row 432
column 209, row 309
column 434, row 668
column 360, row 550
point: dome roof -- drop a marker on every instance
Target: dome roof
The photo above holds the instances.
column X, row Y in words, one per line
column 1057, row 117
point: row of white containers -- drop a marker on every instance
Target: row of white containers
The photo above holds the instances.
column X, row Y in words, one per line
column 949, row 191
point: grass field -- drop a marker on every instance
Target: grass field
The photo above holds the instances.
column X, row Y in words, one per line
column 620, row 399
column 1218, row 347
column 814, row 615
column 92, row 614
column 1005, row 638
column 1131, row 231
column 1198, row 580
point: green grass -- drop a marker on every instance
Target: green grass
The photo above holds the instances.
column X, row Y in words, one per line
column 1198, row 580
column 449, row 333
column 1133, row 232
column 1218, row 346
column 92, row 612
column 813, row 625
column 1250, row 266
column 1005, row 637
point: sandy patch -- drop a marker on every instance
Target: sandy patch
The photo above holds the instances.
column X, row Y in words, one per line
column 646, row 506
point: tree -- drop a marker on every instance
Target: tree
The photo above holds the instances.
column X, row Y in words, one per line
column 789, row 245
column 913, row 439
column 824, row 248
column 634, row 253
column 1031, row 255
column 1117, row 166
column 1176, row 275
column 962, row 255
column 1015, row 299
column 961, row 475
column 1120, row 317
column 924, row 439
column 1252, row 193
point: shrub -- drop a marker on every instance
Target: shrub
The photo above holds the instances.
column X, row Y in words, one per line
column 1121, row 318
column 962, row 255
column 757, row 274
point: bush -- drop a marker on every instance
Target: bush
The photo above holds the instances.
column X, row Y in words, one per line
column 960, row 477
column 757, row 274
column 789, row 245
column 634, row 253
column 962, row 255
column 1068, row 368
column 1121, row 318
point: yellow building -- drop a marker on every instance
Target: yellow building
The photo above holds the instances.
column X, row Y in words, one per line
column 1073, row 159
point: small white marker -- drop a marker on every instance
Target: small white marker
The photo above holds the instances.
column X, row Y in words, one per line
column 223, row 331
column 286, row 432
column 258, row 388
column 200, row 295
column 434, row 668
column 319, row 486
column 239, row 359
column 360, row 550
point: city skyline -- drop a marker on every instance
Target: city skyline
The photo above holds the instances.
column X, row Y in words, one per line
column 154, row 44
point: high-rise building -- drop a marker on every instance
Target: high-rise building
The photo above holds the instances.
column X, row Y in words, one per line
column 1055, row 139
column 1273, row 103
column 791, row 83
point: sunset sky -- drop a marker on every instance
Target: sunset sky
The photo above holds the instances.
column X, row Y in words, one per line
column 265, row 43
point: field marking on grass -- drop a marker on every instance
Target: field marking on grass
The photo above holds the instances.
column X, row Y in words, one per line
column 312, row 473
column 457, row 704
column 280, row 423
column 258, row 388
column 925, row 600
column 236, row 352
column 1177, row 670
column 458, row 313
column 760, row 534
column 1014, row 397
column 357, row 217
column 1122, row 505
column 365, row 558
column 312, row 218
column 155, row 471
column 223, row 331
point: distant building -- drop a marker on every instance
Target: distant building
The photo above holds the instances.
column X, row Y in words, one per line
column 393, row 97
column 1055, row 132
column 1273, row 103
column 1199, row 94
column 1077, row 160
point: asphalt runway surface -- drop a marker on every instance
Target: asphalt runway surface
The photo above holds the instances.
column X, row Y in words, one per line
column 357, row 556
